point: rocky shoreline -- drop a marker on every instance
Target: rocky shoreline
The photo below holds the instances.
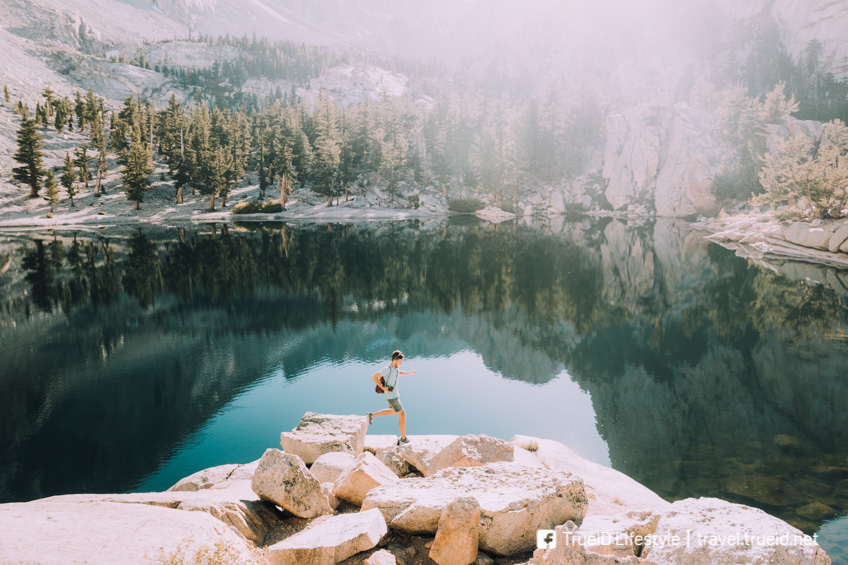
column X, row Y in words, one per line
column 333, row 494
column 761, row 237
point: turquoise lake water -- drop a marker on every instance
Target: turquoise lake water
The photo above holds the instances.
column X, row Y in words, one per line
column 133, row 358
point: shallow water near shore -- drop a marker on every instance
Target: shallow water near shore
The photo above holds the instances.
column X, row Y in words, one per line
column 133, row 358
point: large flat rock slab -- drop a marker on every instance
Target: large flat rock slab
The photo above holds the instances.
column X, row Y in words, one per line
column 715, row 532
column 236, row 506
column 216, row 477
column 330, row 541
column 610, row 492
column 515, row 501
column 66, row 530
column 704, row 531
column 317, row 434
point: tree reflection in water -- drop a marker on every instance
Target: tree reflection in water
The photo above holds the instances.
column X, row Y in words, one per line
column 709, row 375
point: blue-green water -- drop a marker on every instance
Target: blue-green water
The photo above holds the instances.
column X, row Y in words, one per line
column 132, row 358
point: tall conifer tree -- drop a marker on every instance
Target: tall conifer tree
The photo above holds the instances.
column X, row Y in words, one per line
column 68, row 177
column 136, row 170
column 51, row 189
column 29, row 155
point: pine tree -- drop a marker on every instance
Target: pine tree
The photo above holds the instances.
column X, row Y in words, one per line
column 30, row 157
column 51, row 189
column 61, row 116
column 81, row 161
column 222, row 172
column 68, row 177
column 263, row 179
column 98, row 138
column 49, row 97
column 18, row 109
column 327, row 147
column 45, row 122
column 136, row 170
column 182, row 172
column 79, row 110
column 6, row 94
column 201, row 155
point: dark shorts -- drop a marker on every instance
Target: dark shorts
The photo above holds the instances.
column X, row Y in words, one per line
column 395, row 403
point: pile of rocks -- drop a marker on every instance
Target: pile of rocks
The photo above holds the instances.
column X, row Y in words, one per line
column 468, row 492
column 334, row 495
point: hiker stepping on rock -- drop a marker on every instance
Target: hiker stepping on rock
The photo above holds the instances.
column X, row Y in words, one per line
column 386, row 380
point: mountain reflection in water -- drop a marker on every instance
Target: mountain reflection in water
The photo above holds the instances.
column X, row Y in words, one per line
column 127, row 353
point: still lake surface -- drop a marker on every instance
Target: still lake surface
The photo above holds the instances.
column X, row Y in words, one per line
column 132, row 358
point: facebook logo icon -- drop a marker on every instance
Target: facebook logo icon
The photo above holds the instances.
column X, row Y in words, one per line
column 545, row 539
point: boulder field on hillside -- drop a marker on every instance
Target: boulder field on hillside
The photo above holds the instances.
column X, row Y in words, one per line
column 448, row 500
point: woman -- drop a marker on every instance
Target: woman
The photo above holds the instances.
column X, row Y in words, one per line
column 390, row 374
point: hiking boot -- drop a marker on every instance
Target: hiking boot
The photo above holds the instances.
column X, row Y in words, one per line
column 403, row 440
column 370, row 418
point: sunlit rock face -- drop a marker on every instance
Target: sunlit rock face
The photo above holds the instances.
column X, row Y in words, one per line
column 664, row 157
column 684, row 182
column 631, row 156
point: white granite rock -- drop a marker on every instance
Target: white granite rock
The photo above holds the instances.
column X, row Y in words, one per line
column 66, row 530
column 421, row 450
column 838, row 238
column 284, row 479
column 557, row 201
column 329, row 466
column 610, row 491
column 207, row 478
column 317, row 434
column 515, row 501
column 690, row 157
column 237, row 505
column 365, row 473
column 472, row 451
column 330, row 541
column 381, row 557
column 715, row 534
column 704, row 531
column 803, row 234
column 395, row 462
column 214, row 476
column 458, row 534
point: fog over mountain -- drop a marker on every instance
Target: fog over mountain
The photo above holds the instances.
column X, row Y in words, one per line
column 594, row 105
column 528, row 39
column 571, row 36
